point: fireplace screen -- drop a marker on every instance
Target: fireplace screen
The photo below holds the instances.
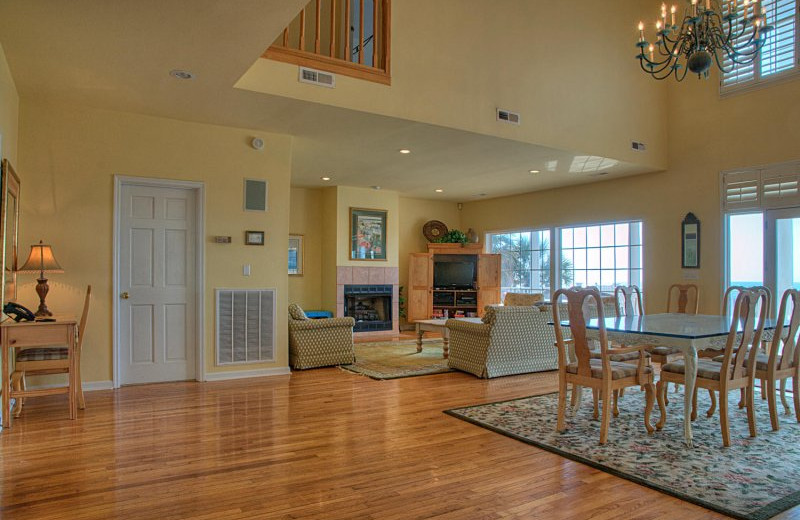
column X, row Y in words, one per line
column 370, row 306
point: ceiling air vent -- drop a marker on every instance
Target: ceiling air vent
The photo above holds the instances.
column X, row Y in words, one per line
column 317, row 77
column 637, row 146
column 507, row 116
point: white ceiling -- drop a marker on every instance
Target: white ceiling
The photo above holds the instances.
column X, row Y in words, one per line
column 117, row 55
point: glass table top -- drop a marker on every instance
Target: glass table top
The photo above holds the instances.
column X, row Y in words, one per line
column 672, row 325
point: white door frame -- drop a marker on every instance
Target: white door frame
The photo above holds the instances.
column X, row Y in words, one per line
column 199, row 189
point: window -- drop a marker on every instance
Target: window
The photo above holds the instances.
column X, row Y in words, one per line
column 603, row 256
column 525, row 261
column 779, row 54
column 744, row 249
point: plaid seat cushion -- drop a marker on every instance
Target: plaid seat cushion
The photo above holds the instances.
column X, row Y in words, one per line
column 664, row 351
column 628, row 356
column 762, row 361
column 618, row 370
column 706, row 368
column 42, row 354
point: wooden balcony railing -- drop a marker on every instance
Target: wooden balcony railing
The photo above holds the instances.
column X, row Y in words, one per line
column 349, row 37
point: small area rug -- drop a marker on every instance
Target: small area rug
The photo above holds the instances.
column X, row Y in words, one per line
column 753, row 479
column 396, row 359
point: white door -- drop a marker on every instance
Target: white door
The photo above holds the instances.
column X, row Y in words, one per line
column 156, row 284
column 782, row 251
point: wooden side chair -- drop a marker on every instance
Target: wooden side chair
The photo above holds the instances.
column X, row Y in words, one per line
column 602, row 375
column 782, row 363
column 734, row 372
column 628, row 300
column 42, row 361
column 683, row 302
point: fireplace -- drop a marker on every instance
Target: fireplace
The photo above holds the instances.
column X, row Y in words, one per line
column 370, row 306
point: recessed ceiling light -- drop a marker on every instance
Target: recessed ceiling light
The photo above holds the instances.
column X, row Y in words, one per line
column 375, row 187
column 439, row 190
column 325, row 178
column 405, row 151
column 181, row 74
column 533, row 171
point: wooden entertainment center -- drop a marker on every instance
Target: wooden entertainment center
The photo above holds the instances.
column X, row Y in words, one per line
column 426, row 301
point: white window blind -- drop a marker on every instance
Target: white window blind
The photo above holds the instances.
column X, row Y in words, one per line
column 779, row 53
column 762, row 188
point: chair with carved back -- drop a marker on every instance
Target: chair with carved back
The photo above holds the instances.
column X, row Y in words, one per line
column 602, row 375
column 734, row 372
column 726, row 299
column 682, row 303
column 783, row 358
column 43, row 361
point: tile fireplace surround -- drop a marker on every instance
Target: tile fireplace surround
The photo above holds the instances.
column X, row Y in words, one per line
column 347, row 275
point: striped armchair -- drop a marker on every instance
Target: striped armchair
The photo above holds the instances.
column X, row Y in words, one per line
column 511, row 340
column 319, row 343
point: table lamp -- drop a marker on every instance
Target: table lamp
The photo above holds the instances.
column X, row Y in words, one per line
column 41, row 260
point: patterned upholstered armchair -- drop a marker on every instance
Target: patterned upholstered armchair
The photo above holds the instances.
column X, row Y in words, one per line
column 511, row 340
column 319, row 343
column 513, row 299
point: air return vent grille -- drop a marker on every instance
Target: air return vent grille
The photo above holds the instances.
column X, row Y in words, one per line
column 317, row 77
column 506, row 116
column 245, row 326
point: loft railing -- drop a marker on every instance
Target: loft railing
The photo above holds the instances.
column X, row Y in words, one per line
column 349, row 37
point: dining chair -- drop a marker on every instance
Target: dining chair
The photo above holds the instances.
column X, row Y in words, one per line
column 735, row 370
column 602, row 375
column 783, row 358
column 665, row 354
column 683, row 294
column 43, row 361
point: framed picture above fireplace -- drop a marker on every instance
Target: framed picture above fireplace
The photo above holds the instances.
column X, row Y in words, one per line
column 367, row 234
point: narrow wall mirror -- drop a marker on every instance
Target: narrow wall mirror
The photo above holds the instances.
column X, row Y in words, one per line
column 9, row 226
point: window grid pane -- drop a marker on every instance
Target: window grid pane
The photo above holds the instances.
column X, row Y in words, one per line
column 603, row 255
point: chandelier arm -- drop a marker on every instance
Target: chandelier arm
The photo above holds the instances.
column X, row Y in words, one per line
column 652, row 67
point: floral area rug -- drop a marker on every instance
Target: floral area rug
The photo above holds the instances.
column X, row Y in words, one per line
column 755, row 478
column 396, row 359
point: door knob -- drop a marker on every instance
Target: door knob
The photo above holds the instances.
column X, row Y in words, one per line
column 124, row 296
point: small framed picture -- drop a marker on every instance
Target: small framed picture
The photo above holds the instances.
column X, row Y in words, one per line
column 367, row 234
column 296, row 255
column 254, row 238
column 690, row 242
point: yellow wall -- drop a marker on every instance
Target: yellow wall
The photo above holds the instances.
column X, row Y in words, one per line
column 568, row 67
column 305, row 218
column 68, row 159
column 414, row 213
column 9, row 112
column 707, row 135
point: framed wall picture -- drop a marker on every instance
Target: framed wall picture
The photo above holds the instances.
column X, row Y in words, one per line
column 367, row 234
column 9, row 225
column 296, row 259
column 254, row 238
column 690, row 242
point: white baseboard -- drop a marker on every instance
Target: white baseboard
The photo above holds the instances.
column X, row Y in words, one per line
column 90, row 386
column 242, row 374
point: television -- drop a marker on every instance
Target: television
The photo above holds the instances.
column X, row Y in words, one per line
column 454, row 275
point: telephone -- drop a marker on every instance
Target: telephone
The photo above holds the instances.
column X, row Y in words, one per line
column 18, row 312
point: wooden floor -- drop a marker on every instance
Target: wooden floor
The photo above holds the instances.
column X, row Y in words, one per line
column 317, row 444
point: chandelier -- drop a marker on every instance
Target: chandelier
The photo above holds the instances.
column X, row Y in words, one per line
column 707, row 35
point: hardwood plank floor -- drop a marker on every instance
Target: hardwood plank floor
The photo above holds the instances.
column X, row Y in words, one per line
column 317, row 444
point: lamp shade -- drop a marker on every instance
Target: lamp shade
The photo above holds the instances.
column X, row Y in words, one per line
column 41, row 260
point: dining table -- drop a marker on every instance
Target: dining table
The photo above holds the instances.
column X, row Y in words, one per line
column 688, row 332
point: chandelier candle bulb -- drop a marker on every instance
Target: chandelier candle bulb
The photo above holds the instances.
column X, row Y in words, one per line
column 641, row 31
column 672, row 10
